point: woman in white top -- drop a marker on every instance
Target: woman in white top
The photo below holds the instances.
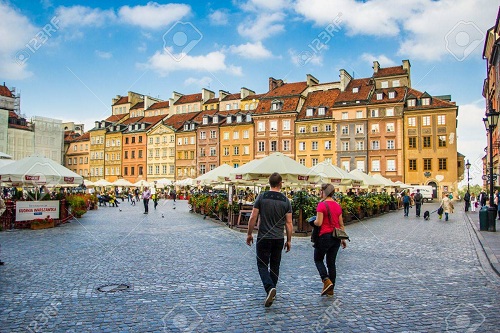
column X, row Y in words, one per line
column 473, row 202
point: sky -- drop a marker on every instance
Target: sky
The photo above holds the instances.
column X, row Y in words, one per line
column 68, row 59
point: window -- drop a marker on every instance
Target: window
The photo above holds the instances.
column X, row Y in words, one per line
column 412, row 165
column 384, row 84
column 314, row 161
column 192, row 140
column 273, row 125
column 261, row 126
column 442, row 140
column 236, row 150
column 261, row 146
column 125, row 171
column 321, row 111
column 345, row 129
column 427, row 141
column 309, row 112
column 302, row 129
column 359, row 114
column 411, row 102
column 276, row 105
column 75, row 148
column 345, row 145
column 286, row 145
column 150, row 169
column 226, row 151
column 126, row 155
column 374, row 113
column 215, row 120
column 392, row 94
column 302, row 161
column 236, row 135
column 389, row 112
column 229, row 120
column 245, row 134
column 375, row 165
column 203, row 135
column 132, row 171
column 286, row 125
column 427, row 164
column 274, row 145
column 355, row 89
column 345, row 115
column 328, row 128
column 314, row 129
column 172, row 169
column 391, row 165
column 202, row 152
column 239, row 118
column 375, row 128
column 328, row 145
column 360, row 165
column 346, row 166
column 205, row 120
column 359, row 129
column 164, row 169
column 133, row 139
column 426, row 101
column 426, row 121
column 442, row 164
column 133, row 154
column 202, row 169
column 126, row 141
column 360, row 145
column 412, row 142
column 395, row 83
column 375, row 145
column 390, row 127
column 140, row 153
column 412, row 121
column 246, row 150
column 70, row 160
column 226, row 135
column 236, row 165
column 302, row 146
column 380, row 96
column 151, row 140
column 390, row 144
column 314, row 145
column 441, row 120
column 213, row 134
column 213, row 151
column 140, row 139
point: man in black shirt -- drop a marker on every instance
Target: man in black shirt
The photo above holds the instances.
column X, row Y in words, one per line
column 275, row 212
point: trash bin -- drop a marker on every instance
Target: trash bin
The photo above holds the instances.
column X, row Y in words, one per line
column 492, row 218
column 483, row 219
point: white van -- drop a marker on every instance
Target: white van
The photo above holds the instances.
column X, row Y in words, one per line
column 425, row 190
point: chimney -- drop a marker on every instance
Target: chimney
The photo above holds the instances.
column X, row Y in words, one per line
column 406, row 65
column 311, row 80
column 175, row 97
column 274, row 83
column 222, row 94
column 146, row 105
column 97, row 124
column 206, row 94
column 345, row 78
column 244, row 92
column 114, row 100
column 376, row 66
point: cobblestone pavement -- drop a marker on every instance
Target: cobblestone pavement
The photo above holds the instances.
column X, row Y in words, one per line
column 187, row 274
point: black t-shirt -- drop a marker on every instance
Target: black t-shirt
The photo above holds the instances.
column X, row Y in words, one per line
column 273, row 207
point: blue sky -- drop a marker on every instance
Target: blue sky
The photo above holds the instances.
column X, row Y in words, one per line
column 91, row 51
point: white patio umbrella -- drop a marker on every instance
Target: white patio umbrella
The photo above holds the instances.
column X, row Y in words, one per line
column 122, row 182
column 163, row 182
column 140, row 183
column 5, row 156
column 102, row 183
column 400, row 184
column 330, row 173
column 367, row 180
column 88, row 183
column 290, row 170
column 185, row 182
column 4, row 162
column 386, row 181
column 37, row 170
column 217, row 175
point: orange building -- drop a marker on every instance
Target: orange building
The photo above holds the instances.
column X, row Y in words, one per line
column 77, row 155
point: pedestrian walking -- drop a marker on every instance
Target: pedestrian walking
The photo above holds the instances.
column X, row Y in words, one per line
column 482, row 198
column 467, row 200
column 136, row 191
column 406, row 203
column 418, row 197
column 473, row 202
column 173, row 195
column 3, row 207
column 328, row 217
column 447, row 206
column 275, row 212
column 146, row 195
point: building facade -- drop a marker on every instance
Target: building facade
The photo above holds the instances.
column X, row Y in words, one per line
column 77, row 155
column 161, row 152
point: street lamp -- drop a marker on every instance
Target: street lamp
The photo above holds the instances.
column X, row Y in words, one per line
column 490, row 122
column 467, row 166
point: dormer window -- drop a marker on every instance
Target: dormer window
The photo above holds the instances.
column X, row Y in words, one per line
column 384, row 84
column 276, row 105
column 238, row 118
column 228, row 107
column 229, row 119
column 426, row 101
column 309, row 112
column 249, row 118
column 321, row 111
column 215, row 120
column 192, row 126
column 392, row 94
column 205, row 120
column 186, row 127
column 355, row 90
column 411, row 102
column 130, row 128
column 380, row 96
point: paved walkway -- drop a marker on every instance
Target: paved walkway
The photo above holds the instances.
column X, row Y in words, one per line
column 187, row 274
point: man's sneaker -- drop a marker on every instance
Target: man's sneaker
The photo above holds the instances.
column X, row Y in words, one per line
column 271, row 296
column 329, row 293
column 327, row 286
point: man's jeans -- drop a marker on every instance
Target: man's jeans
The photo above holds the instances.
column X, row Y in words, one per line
column 406, row 208
column 268, row 261
column 417, row 208
column 146, row 205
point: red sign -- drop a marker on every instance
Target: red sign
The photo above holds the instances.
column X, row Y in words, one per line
column 335, row 181
column 69, row 180
column 302, row 177
column 239, row 177
column 26, row 177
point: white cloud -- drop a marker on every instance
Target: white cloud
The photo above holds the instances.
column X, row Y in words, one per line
column 271, row 5
column 383, row 60
column 251, row 50
column 219, row 17
column 16, row 31
column 200, row 82
column 422, row 24
column 153, row 15
column 103, row 55
column 264, row 26
column 164, row 63
column 305, row 57
column 81, row 16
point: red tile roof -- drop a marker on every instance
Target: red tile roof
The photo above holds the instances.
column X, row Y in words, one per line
column 364, row 86
column 176, row 121
column 435, row 102
column 199, row 116
column 22, row 127
column 189, row 99
column 122, row 100
column 12, row 114
column 159, row 105
column 287, row 89
column 139, row 105
column 251, row 97
column 212, row 100
column 288, row 93
column 390, row 71
column 399, row 98
column 80, row 138
column 4, row 91
column 115, row 118
column 231, row 97
column 319, row 98
column 132, row 120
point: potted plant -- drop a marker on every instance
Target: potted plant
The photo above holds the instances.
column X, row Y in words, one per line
column 45, row 223
column 78, row 205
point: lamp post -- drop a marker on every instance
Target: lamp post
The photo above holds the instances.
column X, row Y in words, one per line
column 490, row 122
column 467, row 166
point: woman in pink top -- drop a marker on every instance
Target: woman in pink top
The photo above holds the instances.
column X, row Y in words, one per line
column 328, row 217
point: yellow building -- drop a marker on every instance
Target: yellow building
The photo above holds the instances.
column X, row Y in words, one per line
column 431, row 156
column 185, row 149
column 236, row 139
column 314, row 129
column 161, row 152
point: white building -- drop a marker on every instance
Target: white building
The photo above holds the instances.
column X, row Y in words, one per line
column 48, row 137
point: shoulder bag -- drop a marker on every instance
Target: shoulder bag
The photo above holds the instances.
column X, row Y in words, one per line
column 337, row 233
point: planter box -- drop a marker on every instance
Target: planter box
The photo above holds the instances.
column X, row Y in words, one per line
column 42, row 225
